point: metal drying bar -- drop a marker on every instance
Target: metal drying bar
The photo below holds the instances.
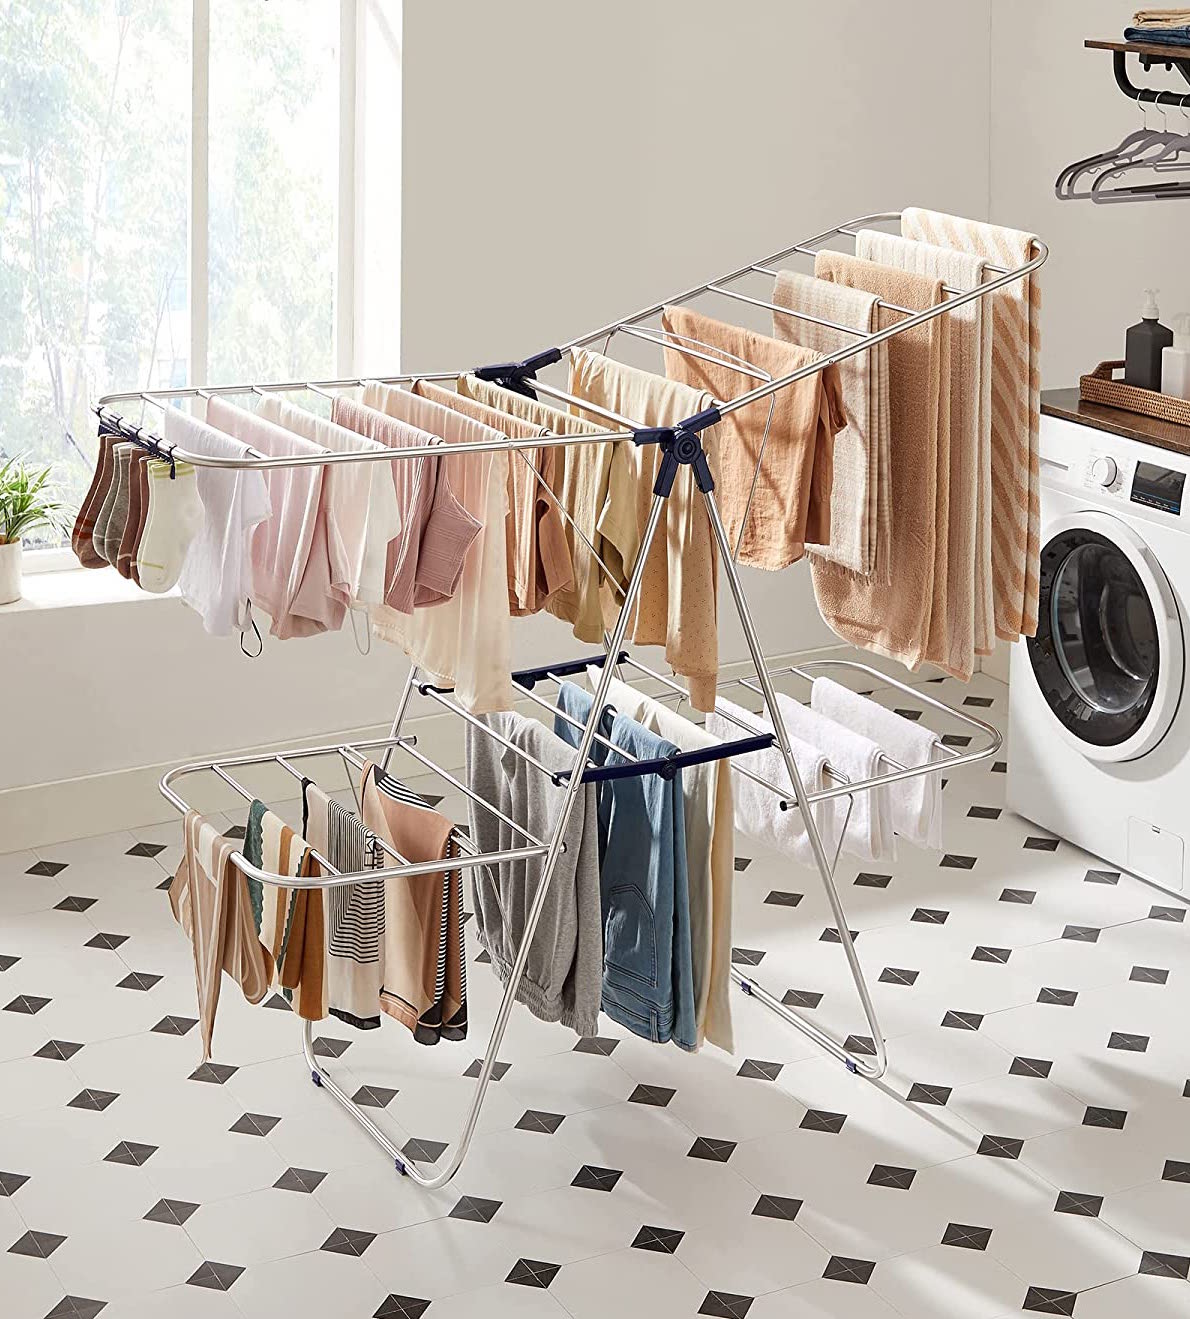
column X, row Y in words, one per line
column 681, row 445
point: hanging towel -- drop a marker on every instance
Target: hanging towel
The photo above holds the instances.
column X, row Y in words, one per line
column 757, row 810
column 538, row 556
column 648, row 983
column 362, row 516
column 84, row 527
column 425, row 962
column 1016, row 409
column 894, row 619
column 216, row 578
column 860, row 502
column 564, row 972
column 443, row 640
column 791, row 505
column 677, row 608
column 293, row 923
column 210, row 900
column 709, row 818
column 968, row 556
column 914, row 805
column 354, row 913
column 580, row 482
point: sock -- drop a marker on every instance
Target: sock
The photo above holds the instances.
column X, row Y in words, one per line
column 84, row 526
column 126, row 551
column 142, row 481
column 175, row 515
column 103, row 517
column 113, row 530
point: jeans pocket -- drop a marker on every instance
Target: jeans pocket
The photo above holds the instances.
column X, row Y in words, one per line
column 629, row 935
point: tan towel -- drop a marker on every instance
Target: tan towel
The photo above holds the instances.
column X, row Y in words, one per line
column 792, row 501
column 677, row 607
column 1016, row 410
column 894, row 619
column 968, row 574
column 860, row 509
column 580, row 482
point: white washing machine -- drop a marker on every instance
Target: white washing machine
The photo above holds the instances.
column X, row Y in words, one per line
column 1099, row 733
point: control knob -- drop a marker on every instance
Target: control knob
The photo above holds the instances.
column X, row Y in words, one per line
column 1104, row 471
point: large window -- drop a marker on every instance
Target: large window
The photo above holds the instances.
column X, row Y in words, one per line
column 104, row 109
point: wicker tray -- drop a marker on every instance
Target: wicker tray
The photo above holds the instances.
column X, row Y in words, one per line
column 1101, row 387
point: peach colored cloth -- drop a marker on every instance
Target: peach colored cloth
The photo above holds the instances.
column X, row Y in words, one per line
column 895, row 619
column 792, row 501
column 1016, row 410
column 580, row 481
column 678, row 601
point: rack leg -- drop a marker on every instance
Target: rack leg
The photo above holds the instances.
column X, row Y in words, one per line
column 433, row 1179
column 870, row 1067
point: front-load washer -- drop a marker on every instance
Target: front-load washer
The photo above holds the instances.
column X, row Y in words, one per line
column 1099, row 731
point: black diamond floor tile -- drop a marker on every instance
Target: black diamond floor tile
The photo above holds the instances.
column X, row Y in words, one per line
column 216, row 1277
column 1022, row 896
column 1081, row 933
column 1175, row 914
column 759, row 1070
column 47, row 869
column 532, row 1273
column 742, row 863
column 707, row 1147
column 145, row 849
column 801, row 998
column 842, row 1268
column 77, row 1307
column 1102, row 877
column 1078, row 1203
column 930, row 915
column 819, row 1119
column 172, row 1025
column 954, row 861
column 726, row 1305
column 897, row 975
column 1063, row 998
column 831, row 935
column 1048, row 1300
column 395, row 1306
column 590, row 1177
column 110, row 942
column 963, row 1020
column 143, row 980
column 277, row 1003
column 920, row 1093
column 499, row 1069
column 41, row 1245
column 1151, row 975
column 535, row 1119
column 59, row 1050
column 131, row 1152
column 26, row 1005
column 375, row 1096
column 1112, row 1118
column 326, row 1047
column 11, row 1182
column 422, row 1150
column 214, row 1073
column 870, row 879
column 348, row 1241
column 1158, row 1264
column 1038, row 844
column 663, row 1240
column 984, row 813
column 1120, row 1039
column 174, row 1212
column 475, row 1209
column 1001, row 1147
column 599, row 1044
column 777, row 1206
column 896, row 1179
column 656, row 1095
column 74, row 902
column 1176, row 1170
column 966, row 1236
column 747, row 956
column 860, row 1044
column 303, row 1180
column 782, row 898
column 7, row 962
column 95, row 1100
column 254, row 1124
column 988, row 953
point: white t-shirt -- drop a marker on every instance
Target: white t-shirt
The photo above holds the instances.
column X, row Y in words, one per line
column 361, row 502
column 216, row 578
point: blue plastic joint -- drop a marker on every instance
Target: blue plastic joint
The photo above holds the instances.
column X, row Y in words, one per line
column 851, row 1067
column 400, row 1167
column 314, row 1076
column 681, row 447
column 746, row 986
column 517, row 375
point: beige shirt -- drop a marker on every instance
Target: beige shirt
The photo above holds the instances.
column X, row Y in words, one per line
column 678, row 598
column 442, row 640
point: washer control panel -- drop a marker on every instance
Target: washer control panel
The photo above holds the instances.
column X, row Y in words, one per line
column 1105, row 474
column 1128, row 480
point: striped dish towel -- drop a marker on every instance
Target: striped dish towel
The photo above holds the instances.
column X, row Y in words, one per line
column 1016, row 410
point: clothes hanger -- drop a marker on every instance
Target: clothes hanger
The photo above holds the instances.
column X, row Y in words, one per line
column 1172, row 156
column 1131, row 149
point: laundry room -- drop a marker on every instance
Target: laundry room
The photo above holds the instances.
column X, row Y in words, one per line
column 713, row 839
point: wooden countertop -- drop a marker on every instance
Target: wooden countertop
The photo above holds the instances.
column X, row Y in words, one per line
column 1065, row 403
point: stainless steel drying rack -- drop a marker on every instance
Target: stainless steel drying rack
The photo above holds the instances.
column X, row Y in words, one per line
column 682, row 446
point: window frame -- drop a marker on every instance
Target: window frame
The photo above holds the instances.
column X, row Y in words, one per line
column 198, row 216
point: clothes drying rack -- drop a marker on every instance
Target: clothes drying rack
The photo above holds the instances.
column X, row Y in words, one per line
column 681, row 446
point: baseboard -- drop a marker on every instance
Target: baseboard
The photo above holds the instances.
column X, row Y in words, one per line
column 44, row 813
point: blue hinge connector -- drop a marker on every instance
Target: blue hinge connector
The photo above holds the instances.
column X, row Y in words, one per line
column 681, row 446
column 517, row 375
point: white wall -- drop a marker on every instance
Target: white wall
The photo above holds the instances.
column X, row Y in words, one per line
column 587, row 159
column 1052, row 102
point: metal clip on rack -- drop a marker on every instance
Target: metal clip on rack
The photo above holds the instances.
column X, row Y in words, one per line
column 682, row 446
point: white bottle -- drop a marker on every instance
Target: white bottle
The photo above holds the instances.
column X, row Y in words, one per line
column 1175, row 360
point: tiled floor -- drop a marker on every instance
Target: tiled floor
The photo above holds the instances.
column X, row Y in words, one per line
column 1029, row 1149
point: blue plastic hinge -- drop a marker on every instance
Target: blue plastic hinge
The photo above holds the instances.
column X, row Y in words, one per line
column 315, row 1078
column 851, row 1067
column 400, row 1167
column 682, row 446
column 746, row 986
column 516, row 375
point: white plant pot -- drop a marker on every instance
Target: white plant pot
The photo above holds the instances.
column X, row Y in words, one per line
column 10, row 572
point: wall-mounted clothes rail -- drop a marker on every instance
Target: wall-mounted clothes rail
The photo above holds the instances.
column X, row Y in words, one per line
column 682, row 447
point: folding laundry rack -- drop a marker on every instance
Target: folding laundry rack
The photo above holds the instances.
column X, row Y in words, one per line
column 681, row 446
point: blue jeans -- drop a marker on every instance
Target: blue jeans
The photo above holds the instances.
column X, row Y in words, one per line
column 648, row 980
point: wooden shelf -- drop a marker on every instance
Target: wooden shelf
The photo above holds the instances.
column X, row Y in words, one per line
column 1152, row 49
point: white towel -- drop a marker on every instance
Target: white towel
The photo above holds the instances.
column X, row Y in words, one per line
column 915, row 805
column 757, row 812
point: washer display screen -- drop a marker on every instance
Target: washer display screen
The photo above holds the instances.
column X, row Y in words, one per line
column 1158, row 487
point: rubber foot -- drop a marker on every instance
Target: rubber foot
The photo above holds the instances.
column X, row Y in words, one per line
column 316, row 1078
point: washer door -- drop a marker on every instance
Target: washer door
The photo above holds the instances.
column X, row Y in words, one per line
column 1108, row 654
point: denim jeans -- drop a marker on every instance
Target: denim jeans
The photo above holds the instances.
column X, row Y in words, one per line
column 648, row 981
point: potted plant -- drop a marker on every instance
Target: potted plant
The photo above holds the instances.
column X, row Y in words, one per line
column 26, row 503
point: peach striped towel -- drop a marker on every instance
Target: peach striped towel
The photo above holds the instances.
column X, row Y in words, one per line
column 1016, row 410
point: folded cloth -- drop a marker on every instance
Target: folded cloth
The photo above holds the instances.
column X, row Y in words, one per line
column 211, row 901
column 860, row 510
column 425, row 962
column 292, row 921
column 1160, row 17
column 84, row 525
column 894, row 619
column 1016, row 410
column 776, row 492
column 360, row 499
column 290, row 564
column 580, row 483
column 354, row 913
column 677, row 607
column 1160, row 35
column 538, row 556
column 443, row 640
column 757, row 809
column 564, row 972
column 216, row 578
column 648, row 983
column 968, row 615
column 914, row 805
column 709, row 817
